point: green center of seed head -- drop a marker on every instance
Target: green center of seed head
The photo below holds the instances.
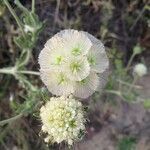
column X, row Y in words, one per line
column 84, row 81
column 62, row 79
column 75, row 67
column 72, row 123
column 76, row 51
column 58, row 60
column 92, row 60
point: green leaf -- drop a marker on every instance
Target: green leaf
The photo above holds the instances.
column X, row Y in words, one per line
column 23, row 59
column 32, row 26
column 127, row 143
column 17, row 2
column 24, row 42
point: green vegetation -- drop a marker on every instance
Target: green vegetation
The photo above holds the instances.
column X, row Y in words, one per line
column 25, row 26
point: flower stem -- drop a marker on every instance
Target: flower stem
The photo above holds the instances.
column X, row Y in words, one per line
column 118, row 93
column 128, row 84
column 33, row 6
column 139, row 16
column 13, row 71
column 132, row 84
column 130, row 61
column 29, row 72
column 113, row 92
column 23, row 61
column 3, row 122
column 15, row 16
column 10, row 70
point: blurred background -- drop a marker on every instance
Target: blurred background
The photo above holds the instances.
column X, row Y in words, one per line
column 119, row 119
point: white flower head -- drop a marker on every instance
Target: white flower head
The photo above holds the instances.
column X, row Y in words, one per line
column 78, row 57
column 76, row 42
column 85, row 87
column 77, row 69
column 62, row 120
column 140, row 70
column 57, row 82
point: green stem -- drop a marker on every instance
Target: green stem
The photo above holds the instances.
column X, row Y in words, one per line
column 33, row 6
column 10, row 70
column 15, row 16
column 24, row 58
column 132, row 85
column 29, row 72
column 118, row 93
column 24, row 9
column 13, row 71
column 139, row 16
column 130, row 61
column 3, row 122
column 128, row 84
column 113, row 92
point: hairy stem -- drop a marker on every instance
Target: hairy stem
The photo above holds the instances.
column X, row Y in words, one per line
column 128, row 84
column 13, row 71
column 132, row 85
column 130, row 61
column 8, row 70
column 118, row 93
column 15, row 16
column 29, row 72
column 33, row 6
column 3, row 122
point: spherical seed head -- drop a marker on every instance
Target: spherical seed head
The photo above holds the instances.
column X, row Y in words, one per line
column 140, row 70
column 62, row 120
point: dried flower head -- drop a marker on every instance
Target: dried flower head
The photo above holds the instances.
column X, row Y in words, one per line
column 72, row 62
column 63, row 120
column 140, row 70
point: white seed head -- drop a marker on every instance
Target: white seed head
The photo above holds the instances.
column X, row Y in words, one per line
column 57, row 82
column 86, row 87
column 140, row 70
column 76, row 55
column 62, row 120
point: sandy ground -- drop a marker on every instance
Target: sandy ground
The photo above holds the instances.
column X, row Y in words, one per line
column 127, row 119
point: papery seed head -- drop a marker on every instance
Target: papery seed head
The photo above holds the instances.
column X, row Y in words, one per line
column 140, row 70
column 69, row 58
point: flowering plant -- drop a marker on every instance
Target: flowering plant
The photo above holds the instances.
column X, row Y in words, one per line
column 63, row 120
column 72, row 62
